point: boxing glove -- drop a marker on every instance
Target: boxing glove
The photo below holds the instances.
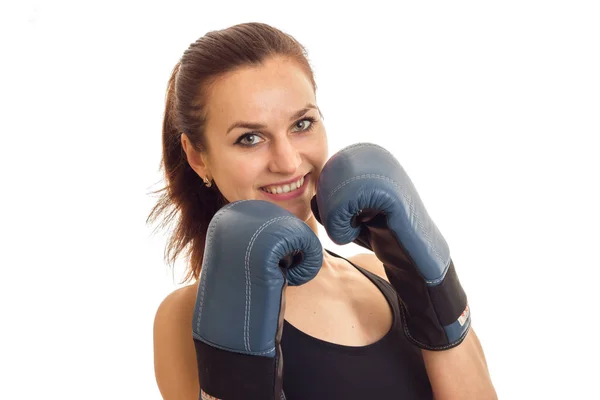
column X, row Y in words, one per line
column 254, row 249
column 365, row 196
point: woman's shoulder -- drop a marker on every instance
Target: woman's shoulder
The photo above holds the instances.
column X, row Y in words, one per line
column 176, row 310
column 371, row 263
column 174, row 352
column 178, row 304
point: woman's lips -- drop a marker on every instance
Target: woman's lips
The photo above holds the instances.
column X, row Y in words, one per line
column 289, row 195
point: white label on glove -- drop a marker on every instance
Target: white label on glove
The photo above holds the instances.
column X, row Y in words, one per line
column 463, row 317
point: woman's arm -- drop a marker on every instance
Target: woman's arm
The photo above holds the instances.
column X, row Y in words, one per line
column 457, row 373
column 175, row 364
column 460, row 372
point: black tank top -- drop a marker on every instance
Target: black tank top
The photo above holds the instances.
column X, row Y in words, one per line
column 389, row 369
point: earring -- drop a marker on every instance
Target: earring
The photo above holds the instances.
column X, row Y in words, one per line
column 207, row 183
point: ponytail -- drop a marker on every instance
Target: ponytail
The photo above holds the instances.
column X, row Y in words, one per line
column 185, row 197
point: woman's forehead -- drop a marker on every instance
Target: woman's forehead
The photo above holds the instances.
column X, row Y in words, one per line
column 272, row 90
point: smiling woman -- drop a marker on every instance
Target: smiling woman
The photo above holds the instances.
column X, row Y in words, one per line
column 244, row 146
column 258, row 122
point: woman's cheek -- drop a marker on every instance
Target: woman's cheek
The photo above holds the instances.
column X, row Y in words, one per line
column 244, row 170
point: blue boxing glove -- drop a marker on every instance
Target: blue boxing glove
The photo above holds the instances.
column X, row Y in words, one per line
column 254, row 249
column 365, row 196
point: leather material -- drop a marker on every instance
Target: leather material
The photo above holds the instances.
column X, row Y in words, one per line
column 254, row 249
column 239, row 295
column 366, row 176
column 365, row 196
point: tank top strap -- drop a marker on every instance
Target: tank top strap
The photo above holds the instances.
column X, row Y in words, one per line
column 385, row 287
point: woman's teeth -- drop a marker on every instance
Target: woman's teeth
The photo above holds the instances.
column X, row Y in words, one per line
column 284, row 188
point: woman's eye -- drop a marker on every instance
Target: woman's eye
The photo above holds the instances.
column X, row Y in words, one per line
column 248, row 139
column 303, row 124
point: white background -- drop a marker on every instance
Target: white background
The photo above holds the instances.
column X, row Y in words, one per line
column 493, row 108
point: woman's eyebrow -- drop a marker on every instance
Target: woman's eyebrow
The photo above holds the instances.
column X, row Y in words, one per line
column 251, row 125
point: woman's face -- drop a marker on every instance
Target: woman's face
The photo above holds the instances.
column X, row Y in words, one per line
column 264, row 135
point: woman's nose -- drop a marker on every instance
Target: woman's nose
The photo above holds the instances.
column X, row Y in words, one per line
column 285, row 158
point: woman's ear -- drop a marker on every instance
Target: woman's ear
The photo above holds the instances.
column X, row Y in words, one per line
column 196, row 158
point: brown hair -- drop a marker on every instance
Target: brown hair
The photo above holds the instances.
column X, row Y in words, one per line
column 185, row 196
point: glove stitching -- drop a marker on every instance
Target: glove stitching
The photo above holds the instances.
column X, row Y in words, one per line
column 252, row 353
column 247, row 271
column 203, row 281
column 355, row 178
column 209, row 239
column 411, row 208
column 380, row 148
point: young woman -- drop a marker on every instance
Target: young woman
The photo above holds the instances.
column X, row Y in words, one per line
column 242, row 123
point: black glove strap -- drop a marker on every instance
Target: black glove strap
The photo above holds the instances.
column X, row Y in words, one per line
column 426, row 309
